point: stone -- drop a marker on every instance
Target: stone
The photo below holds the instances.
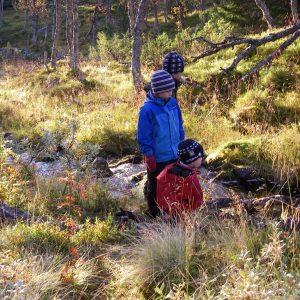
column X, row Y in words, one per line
column 139, row 176
column 100, row 164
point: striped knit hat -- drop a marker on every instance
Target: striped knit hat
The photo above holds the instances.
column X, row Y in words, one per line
column 189, row 151
column 162, row 81
column 173, row 63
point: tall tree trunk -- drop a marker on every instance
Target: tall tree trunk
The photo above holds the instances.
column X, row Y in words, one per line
column 294, row 8
column 109, row 21
column 266, row 13
column 75, row 38
column 25, row 27
column 1, row 12
column 53, row 28
column 180, row 15
column 137, row 45
column 57, row 27
column 132, row 13
column 156, row 22
column 166, row 14
column 69, row 31
column 202, row 5
column 34, row 22
column 95, row 26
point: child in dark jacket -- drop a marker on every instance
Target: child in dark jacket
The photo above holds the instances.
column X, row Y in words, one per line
column 178, row 188
column 159, row 131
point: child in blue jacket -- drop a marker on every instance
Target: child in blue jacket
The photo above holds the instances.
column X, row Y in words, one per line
column 159, row 131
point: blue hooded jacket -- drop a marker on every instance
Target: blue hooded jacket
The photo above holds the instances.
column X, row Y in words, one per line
column 160, row 128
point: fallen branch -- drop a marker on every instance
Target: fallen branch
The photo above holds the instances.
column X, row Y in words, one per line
column 231, row 42
column 12, row 213
column 268, row 59
column 253, row 44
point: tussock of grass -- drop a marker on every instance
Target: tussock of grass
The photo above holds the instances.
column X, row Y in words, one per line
column 208, row 262
column 47, row 276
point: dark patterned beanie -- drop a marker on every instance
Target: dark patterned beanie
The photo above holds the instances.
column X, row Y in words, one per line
column 173, row 63
column 162, row 81
column 189, row 151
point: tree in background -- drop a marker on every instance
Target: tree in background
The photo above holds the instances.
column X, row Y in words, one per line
column 294, row 8
column 166, row 11
column 261, row 4
column 132, row 7
column 95, row 25
column 36, row 8
column 72, row 27
column 154, row 4
column 57, row 27
column 179, row 13
column 137, row 45
column 1, row 12
column 110, row 22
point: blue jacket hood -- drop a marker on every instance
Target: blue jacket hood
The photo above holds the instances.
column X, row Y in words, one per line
column 153, row 99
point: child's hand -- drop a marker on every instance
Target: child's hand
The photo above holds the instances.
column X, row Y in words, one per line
column 150, row 161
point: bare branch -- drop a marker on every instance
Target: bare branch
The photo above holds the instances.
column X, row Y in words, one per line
column 268, row 59
column 231, row 42
column 240, row 57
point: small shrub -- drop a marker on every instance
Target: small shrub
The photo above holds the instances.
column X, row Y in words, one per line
column 38, row 237
column 152, row 51
column 117, row 48
column 96, row 235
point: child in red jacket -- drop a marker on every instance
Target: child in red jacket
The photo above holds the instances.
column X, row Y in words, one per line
column 178, row 188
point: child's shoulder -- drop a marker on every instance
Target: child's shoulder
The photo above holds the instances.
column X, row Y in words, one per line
column 178, row 170
column 173, row 101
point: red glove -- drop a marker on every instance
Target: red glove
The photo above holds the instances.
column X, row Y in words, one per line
column 150, row 161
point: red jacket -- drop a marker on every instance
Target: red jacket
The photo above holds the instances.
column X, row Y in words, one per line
column 178, row 189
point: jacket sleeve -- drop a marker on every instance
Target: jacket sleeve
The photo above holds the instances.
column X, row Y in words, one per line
column 181, row 130
column 145, row 131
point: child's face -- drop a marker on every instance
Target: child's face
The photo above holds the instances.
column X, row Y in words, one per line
column 196, row 164
column 165, row 95
column 177, row 76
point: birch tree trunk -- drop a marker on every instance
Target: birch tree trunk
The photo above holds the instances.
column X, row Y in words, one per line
column 95, row 26
column 75, row 38
column 34, row 22
column 137, row 45
column 1, row 12
column 53, row 20
column 69, row 31
column 266, row 13
column 57, row 27
column 109, row 21
column 25, row 27
column 180, row 15
column 166, row 14
column 202, row 5
column 294, row 9
column 156, row 22
column 132, row 13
